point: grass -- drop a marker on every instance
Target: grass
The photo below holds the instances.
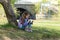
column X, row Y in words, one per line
column 42, row 30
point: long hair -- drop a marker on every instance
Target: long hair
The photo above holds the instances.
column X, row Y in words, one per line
column 24, row 16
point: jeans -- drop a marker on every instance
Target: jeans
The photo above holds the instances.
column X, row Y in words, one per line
column 22, row 26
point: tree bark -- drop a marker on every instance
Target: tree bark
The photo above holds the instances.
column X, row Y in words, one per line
column 9, row 11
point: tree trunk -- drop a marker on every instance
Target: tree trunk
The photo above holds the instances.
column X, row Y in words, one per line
column 9, row 11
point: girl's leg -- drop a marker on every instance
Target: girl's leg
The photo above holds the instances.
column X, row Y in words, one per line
column 20, row 26
column 29, row 28
column 29, row 25
column 23, row 27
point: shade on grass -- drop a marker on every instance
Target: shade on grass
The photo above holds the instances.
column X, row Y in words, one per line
column 41, row 30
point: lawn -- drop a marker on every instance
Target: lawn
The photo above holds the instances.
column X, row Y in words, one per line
column 42, row 30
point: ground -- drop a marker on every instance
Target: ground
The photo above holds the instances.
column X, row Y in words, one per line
column 42, row 30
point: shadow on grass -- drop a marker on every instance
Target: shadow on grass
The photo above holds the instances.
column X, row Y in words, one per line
column 13, row 33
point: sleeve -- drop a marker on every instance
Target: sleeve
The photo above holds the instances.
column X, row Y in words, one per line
column 19, row 25
column 20, row 20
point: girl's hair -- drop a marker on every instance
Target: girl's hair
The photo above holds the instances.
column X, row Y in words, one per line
column 24, row 16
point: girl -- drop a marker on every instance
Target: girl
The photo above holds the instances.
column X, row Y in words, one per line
column 24, row 22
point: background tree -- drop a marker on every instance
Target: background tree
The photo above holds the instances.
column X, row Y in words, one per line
column 9, row 11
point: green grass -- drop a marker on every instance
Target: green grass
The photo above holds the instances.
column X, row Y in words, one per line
column 41, row 29
column 48, row 24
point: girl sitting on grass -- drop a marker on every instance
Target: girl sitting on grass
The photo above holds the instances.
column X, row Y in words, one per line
column 25, row 23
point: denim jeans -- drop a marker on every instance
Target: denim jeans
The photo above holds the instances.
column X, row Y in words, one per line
column 24, row 26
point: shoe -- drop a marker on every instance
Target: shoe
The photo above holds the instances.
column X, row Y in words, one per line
column 28, row 29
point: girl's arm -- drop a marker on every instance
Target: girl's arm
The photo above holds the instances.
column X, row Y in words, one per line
column 26, row 22
column 20, row 21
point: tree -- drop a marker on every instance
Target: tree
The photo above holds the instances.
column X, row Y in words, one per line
column 44, row 1
column 9, row 11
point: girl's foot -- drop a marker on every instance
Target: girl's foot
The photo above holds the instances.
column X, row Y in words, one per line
column 28, row 30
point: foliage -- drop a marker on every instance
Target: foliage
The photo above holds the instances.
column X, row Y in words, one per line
column 37, row 7
column 44, row 1
column 12, row 1
column 59, row 1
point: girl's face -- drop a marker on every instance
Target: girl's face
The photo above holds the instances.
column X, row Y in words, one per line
column 27, row 16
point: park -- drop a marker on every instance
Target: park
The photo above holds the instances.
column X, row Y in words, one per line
column 46, row 26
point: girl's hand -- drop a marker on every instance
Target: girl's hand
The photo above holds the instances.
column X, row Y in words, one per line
column 29, row 20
